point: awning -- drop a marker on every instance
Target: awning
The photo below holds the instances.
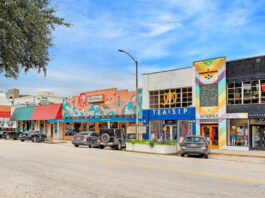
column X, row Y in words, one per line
column 47, row 112
column 22, row 113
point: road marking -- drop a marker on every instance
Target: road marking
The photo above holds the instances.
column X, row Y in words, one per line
column 235, row 178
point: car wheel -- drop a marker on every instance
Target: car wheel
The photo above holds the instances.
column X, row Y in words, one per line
column 182, row 155
column 35, row 139
column 76, row 145
column 119, row 146
column 7, row 137
column 206, row 156
column 15, row 138
column 101, row 147
column 22, row 140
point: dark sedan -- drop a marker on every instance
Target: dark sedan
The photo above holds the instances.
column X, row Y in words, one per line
column 194, row 145
column 34, row 136
column 85, row 138
column 8, row 133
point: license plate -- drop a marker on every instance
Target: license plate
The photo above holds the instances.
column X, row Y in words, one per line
column 193, row 145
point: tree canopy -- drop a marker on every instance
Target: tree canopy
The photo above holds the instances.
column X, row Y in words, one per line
column 25, row 35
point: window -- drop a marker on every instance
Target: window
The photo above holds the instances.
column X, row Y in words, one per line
column 209, row 95
column 238, row 132
column 171, row 98
column 251, row 92
column 234, row 93
column 262, row 90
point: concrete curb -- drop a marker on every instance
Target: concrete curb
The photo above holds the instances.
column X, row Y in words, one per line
column 237, row 155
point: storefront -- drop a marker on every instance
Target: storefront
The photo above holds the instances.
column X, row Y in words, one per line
column 22, row 116
column 40, row 116
column 95, row 110
column 169, row 124
column 257, row 131
column 210, row 90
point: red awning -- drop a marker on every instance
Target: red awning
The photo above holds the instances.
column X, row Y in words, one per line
column 47, row 112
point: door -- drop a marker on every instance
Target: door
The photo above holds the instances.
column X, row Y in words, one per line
column 171, row 132
column 211, row 134
column 258, row 137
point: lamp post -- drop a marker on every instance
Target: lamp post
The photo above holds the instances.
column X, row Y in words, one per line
column 137, row 107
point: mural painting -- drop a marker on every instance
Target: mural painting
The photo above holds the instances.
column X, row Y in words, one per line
column 211, row 72
column 108, row 102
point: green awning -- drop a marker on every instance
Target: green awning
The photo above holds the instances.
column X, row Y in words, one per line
column 22, row 113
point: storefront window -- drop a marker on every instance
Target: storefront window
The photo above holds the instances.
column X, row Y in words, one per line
column 69, row 129
column 55, row 128
column 234, row 93
column 156, row 129
column 258, row 137
column 238, row 132
column 171, row 98
column 184, row 128
column 251, row 92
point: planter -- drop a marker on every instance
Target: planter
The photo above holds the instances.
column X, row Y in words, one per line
column 161, row 149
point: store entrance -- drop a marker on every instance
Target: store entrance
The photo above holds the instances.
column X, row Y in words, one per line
column 211, row 133
column 258, row 137
column 171, row 132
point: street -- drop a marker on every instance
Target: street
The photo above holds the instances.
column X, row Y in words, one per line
column 61, row 170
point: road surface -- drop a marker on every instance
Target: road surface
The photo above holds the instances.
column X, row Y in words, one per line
column 54, row 170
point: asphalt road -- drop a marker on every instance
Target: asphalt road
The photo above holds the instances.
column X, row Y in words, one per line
column 47, row 170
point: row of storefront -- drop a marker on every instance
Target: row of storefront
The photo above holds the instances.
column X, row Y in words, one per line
column 221, row 100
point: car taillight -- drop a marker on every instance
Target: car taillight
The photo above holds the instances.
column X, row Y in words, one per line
column 204, row 143
column 84, row 137
column 29, row 135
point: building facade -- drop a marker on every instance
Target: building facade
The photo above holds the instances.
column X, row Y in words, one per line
column 168, row 104
column 5, row 112
column 94, row 110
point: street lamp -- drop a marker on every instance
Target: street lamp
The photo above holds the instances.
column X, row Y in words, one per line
column 137, row 107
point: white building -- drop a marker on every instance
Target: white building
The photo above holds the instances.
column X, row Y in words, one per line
column 5, row 111
column 169, row 103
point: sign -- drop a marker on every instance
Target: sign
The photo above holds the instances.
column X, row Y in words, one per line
column 165, row 128
column 186, row 113
column 95, row 98
column 132, row 130
column 213, row 116
column 170, row 98
column 257, row 121
column 256, row 115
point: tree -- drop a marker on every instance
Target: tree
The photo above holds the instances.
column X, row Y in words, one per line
column 25, row 35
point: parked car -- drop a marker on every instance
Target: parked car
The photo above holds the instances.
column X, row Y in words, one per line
column 8, row 133
column 34, row 136
column 114, row 138
column 85, row 138
column 194, row 145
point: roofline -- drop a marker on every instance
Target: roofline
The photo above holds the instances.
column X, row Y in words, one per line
column 167, row 70
column 246, row 58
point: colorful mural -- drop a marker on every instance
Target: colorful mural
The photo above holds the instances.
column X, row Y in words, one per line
column 107, row 102
column 207, row 72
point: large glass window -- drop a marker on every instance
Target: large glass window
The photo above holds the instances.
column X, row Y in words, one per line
column 262, row 90
column 234, row 93
column 170, row 98
column 238, row 132
column 209, row 95
column 251, row 92
column 184, row 128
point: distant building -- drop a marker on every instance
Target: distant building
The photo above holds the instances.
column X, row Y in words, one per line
column 5, row 111
column 43, row 97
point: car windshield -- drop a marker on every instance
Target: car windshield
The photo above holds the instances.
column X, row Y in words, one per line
column 194, row 139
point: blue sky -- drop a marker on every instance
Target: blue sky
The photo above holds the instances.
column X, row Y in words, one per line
column 160, row 34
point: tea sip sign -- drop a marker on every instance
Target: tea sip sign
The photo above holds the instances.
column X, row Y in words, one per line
column 170, row 98
column 172, row 113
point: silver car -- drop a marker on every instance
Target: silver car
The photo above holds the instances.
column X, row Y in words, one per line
column 194, row 145
column 85, row 138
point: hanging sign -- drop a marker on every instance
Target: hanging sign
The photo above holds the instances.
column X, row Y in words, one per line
column 95, row 98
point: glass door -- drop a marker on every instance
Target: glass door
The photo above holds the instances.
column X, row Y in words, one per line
column 210, row 132
column 258, row 137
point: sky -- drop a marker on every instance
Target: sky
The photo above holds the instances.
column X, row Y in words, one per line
column 160, row 34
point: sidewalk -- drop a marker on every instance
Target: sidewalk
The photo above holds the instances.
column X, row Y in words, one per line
column 51, row 141
column 257, row 154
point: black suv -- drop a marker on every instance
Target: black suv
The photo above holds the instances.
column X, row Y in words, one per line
column 114, row 138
